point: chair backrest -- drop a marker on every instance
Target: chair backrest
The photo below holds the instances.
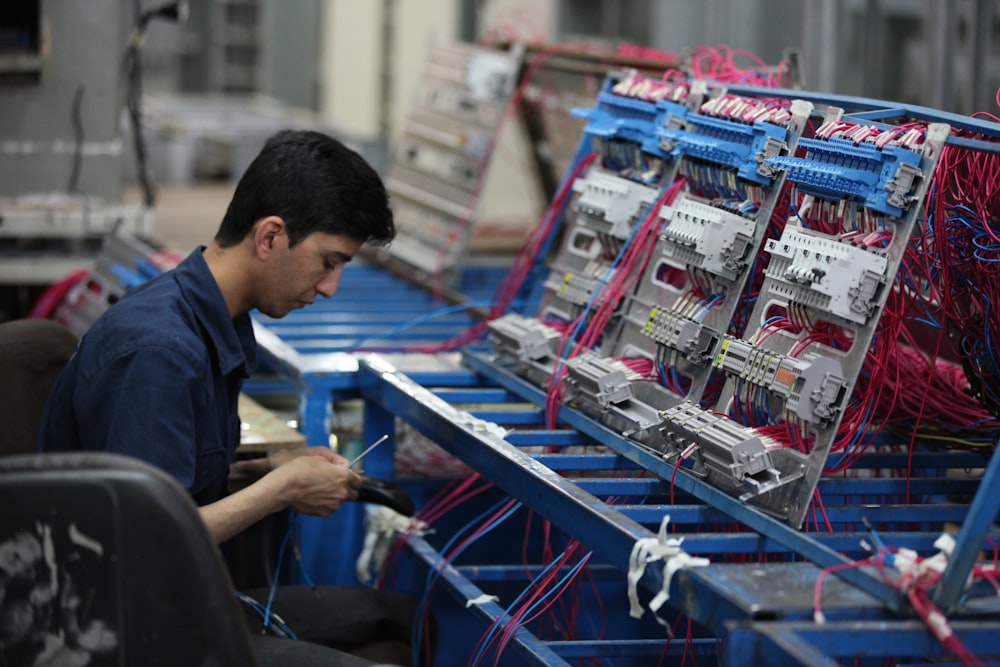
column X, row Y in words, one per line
column 105, row 561
column 32, row 352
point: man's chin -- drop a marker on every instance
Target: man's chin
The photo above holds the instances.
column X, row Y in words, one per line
column 278, row 313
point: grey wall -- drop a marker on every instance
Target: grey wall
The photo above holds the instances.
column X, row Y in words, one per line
column 82, row 44
column 290, row 67
column 944, row 54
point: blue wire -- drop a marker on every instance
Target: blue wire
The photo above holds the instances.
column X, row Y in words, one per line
column 278, row 627
column 546, row 242
column 549, row 593
column 295, row 551
column 435, row 571
column 522, row 594
column 274, row 581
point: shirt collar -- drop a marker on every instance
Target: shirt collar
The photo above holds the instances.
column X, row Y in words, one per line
column 232, row 339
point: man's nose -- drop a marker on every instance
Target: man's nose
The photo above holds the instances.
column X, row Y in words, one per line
column 328, row 286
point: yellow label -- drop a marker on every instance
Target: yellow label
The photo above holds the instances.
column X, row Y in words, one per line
column 566, row 281
column 652, row 316
column 722, row 352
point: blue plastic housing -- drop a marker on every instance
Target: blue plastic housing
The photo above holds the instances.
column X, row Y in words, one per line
column 727, row 143
column 880, row 178
column 629, row 119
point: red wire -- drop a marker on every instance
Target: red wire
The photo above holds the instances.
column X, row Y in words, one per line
column 53, row 297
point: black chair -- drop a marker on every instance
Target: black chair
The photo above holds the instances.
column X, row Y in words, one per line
column 105, row 557
column 32, row 352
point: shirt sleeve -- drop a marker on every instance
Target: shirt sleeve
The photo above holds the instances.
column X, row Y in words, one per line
column 147, row 403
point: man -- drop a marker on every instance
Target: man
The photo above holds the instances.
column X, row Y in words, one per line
column 158, row 375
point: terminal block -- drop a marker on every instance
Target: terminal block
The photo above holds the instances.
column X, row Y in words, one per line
column 724, row 447
column 695, row 341
column 812, row 386
column 577, row 289
column 626, row 106
column 822, row 272
column 607, row 125
column 614, row 200
column 596, row 383
column 622, row 128
column 519, row 340
column 883, row 179
column 620, row 141
column 744, row 147
column 673, row 126
column 707, row 237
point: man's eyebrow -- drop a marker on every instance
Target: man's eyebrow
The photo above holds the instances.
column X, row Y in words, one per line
column 342, row 256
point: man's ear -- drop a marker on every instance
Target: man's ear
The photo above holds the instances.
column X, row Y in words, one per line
column 266, row 233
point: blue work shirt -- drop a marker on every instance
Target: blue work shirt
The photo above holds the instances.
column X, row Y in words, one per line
column 158, row 377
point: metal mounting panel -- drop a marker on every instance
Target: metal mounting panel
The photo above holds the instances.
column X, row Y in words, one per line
column 438, row 168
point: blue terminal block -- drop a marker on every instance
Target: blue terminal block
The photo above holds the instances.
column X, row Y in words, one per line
column 608, row 126
column 744, row 147
column 626, row 107
column 671, row 124
column 628, row 143
column 883, row 179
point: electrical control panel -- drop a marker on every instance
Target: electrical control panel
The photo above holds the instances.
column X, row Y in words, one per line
column 737, row 350
column 704, row 267
column 793, row 373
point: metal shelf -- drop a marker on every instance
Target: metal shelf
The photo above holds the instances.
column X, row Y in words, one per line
column 738, row 602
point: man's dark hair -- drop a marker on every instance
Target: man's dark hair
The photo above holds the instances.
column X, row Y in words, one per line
column 315, row 184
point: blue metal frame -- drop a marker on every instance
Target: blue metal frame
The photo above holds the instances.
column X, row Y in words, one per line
column 717, row 596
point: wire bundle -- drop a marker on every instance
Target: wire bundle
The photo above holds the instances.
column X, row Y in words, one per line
column 962, row 212
column 719, row 64
column 674, row 87
column 749, row 109
column 538, row 597
column 916, row 576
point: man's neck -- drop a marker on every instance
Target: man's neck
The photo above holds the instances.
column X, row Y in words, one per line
column 230, row 274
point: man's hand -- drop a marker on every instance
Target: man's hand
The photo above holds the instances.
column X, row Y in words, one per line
column 316, row 485
column 246, row 472
column 312, row 480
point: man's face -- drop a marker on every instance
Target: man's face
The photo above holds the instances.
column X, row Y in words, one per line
column 301, row 273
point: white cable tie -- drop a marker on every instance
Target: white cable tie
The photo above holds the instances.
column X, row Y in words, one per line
column 939, row 625
column 381, row 526
column 482, row 599
column 937, row 563
column 363, row 566
column 945, row 543
column 679, row 561
column 905, row 560
column 648, row 550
